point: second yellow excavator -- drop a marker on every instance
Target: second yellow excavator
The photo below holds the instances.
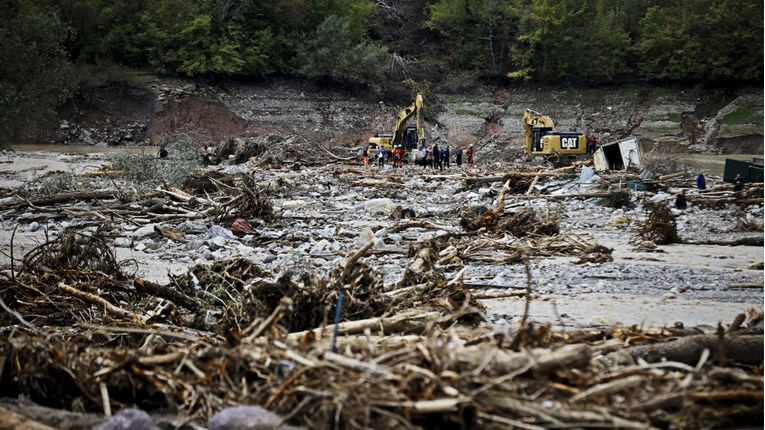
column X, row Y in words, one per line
column 403, row 136
column 541, row 138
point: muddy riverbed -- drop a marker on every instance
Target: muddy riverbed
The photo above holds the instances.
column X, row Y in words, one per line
column 325, row 212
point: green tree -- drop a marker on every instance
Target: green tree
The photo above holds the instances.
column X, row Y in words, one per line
column 35, row 75
column 333, row 52
column 702, row 40
column 479, row 32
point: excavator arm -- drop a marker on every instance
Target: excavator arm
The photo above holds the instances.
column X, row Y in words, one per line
column 403, row 136
column 414, row 109
column 535, row 125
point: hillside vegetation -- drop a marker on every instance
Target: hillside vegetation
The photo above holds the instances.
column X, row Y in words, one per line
column 426, row 44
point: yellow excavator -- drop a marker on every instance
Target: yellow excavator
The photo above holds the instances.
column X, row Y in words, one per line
column 403, row 136
column 540, row 138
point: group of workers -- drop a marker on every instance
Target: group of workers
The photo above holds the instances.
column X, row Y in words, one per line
column 434, row 157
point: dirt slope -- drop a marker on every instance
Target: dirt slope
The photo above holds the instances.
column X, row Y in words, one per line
column 670, row 119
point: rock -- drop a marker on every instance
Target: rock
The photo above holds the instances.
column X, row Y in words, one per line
column 216, row 242
column 218, row 231
column 607, row 320
column 383, row 205
column 142, row 232
column 366, row 236
column 122, row 242
column 618, row 221
column 192, row 227
column 129, row 419
column 246, row 418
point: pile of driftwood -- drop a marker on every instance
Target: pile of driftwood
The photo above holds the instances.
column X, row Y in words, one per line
column 333, row 352
column 342, row 349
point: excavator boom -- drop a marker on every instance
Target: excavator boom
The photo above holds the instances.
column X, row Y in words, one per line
column 403, row 136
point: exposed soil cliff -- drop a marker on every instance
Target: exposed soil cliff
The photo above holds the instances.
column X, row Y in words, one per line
column 672, row 119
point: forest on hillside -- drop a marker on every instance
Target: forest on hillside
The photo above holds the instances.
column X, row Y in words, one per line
column 56, row 45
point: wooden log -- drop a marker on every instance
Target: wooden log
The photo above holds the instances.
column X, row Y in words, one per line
column 12, row 420
column 671, row 176
column 66, row 197
column 744, row 285
column 358, row 365
column 608, row 388
column 501, row 198
column 565, row 196
column 506, row 176
column 499, row 295
column 175, row 296
column 540, row 361
column 531, row 187
column 417, row 224
column 397, row 323
column 733, row 397
column 744, row 349
column 336, row 157
column 100, row 301
column 742, row 241
column 362, row 343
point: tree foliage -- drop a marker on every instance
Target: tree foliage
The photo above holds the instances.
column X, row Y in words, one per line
column 35, row 74
column 333, row 52
column 702, row 40
column 363, row 41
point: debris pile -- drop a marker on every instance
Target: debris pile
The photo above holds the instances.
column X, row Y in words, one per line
column 355, row 304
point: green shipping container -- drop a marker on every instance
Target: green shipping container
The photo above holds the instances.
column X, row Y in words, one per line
column 748, row 170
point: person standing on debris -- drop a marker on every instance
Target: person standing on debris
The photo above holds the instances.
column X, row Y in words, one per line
column 469, row 153
column 701, row 182
column 592, row 143
column 381, row 157
column 429, row 161
column 738, row 183
column 365, row 155
column 458, row 155
column 424, row 157
column 447, row 156
column 436, row 156
column 162, row 152
column 680, row 201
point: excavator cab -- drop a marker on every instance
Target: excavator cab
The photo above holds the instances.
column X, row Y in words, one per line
column 410, row 139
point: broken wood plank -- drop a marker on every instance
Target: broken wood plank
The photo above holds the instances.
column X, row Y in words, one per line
column 737, row 285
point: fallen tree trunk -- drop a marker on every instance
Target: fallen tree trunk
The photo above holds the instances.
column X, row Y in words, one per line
column 742, row 241
column 744, row 349
column 505, row 177
column 67, row 197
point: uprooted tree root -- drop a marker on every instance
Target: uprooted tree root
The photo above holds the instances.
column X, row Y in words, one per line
column 660, row 227
column 73, row 251
column 618, row 199
column 250, row 202
column 526, row 222
column 210, row 181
